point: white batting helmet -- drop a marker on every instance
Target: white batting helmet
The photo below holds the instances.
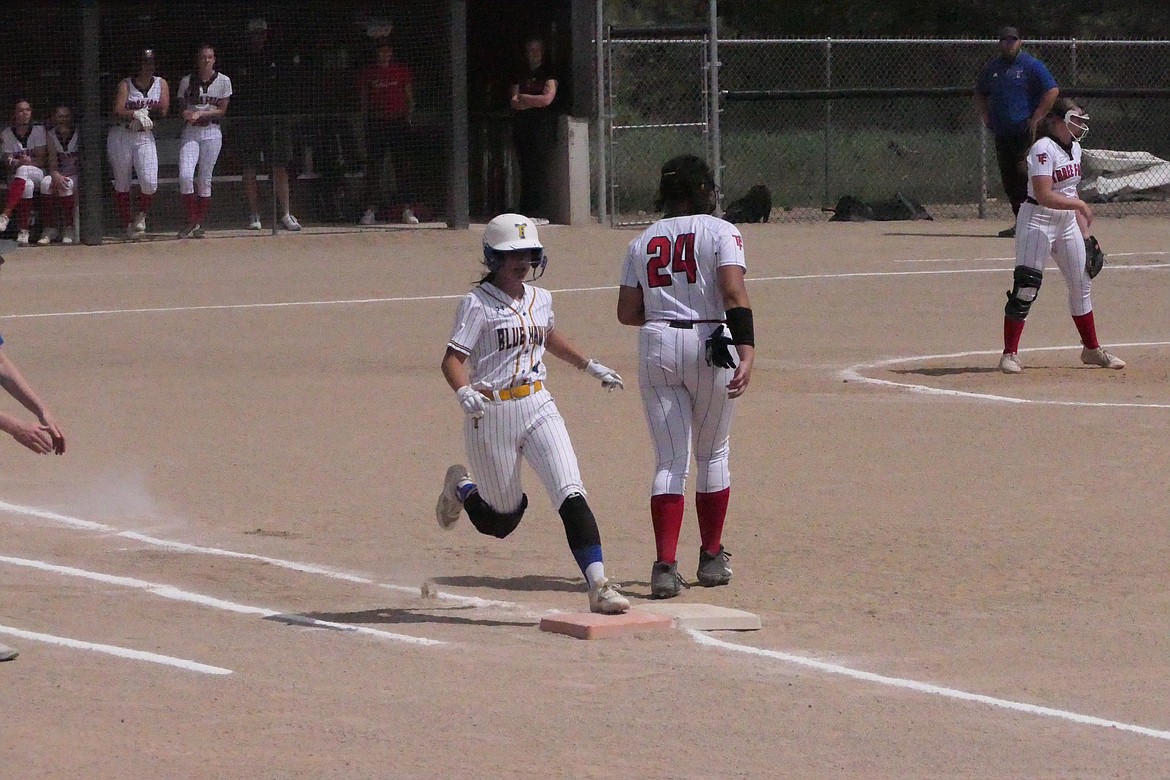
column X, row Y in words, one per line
column 511, row 233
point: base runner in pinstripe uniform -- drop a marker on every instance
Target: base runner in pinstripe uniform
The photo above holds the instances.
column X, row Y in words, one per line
column 495, row 364
column 683, row 285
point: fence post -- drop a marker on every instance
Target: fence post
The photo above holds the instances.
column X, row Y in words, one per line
column 828, row 118
column 92, row 133
column 982, row 171
column 602, row 183
column 713, row 98
column 458, row 196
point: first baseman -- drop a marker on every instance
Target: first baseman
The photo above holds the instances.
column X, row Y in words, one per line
column 495, row 363
column 682, row 284
column 1053, row 222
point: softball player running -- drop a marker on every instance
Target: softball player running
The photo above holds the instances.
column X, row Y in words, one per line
column 59, row 187
column 23, row 144
column 203, row 97
column 130, row 145
column 683, row 285
column 1053, row 222
column 495, row 364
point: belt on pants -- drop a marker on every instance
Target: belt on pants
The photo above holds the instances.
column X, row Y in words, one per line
column 687, row 324
column 514, row 393
column 1031, row 200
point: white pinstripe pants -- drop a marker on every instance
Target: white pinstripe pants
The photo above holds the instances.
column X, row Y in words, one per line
column 531, row 427
column 686, row 407
column 132, row 151
column 199, row 148
column 1042, row 233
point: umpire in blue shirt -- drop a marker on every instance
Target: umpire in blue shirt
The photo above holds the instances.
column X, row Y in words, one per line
column 1014, row 92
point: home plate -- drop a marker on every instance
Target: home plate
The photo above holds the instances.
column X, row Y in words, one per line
column 704, row 617
column 587, row 625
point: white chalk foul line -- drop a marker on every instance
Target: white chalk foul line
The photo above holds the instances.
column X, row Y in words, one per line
column 176, row 594
column 305, row 568
column 121, row 652
column 928, row 688
column 853, row 374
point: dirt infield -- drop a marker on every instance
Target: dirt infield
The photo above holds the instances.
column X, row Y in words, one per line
column 959, row 573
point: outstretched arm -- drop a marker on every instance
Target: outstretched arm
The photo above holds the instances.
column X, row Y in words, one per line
column 44, row 438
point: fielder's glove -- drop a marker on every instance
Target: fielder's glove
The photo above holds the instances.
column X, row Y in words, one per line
column 610, row 379
column 142, row 115
column 717, row 351
column 1094, row 257
column 472, row 401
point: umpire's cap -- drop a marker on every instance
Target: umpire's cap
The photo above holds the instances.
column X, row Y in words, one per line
column 1006, row 33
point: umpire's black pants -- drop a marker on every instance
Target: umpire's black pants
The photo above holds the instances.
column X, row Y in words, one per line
column 1012, row 153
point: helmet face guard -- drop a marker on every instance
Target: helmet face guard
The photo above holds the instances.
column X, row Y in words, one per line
column 1077, row 123
column 494, row 259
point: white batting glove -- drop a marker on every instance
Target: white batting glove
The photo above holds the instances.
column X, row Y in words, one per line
column 471, row 400
column 143, row 117
column 610, row 379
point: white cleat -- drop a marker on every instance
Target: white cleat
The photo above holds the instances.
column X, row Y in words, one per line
column 22, row 238
column 369, row 218
column 449, row 506
column 290, row 223
column 1099, row 357
column 254, row 223
column 49, row 236
column 140, row 224
column 408, row 217
column 67, row 239
column 1010, row 363
column 3, row 222
column 605, row 598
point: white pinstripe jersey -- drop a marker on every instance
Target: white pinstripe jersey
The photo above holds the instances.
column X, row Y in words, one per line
column 674, row 262
column 1048, row 158
column 15, row 147
column 502, row 337
column 204, row 96
column 136, row 98
column 68, row 163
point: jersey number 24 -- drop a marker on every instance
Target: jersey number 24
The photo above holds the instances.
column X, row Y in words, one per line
column 680, row 258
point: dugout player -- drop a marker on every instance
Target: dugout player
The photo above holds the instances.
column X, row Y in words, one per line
column 59, row 187
column 203, row 97
column 23, row 146
column 264, row 93
column 495, row 363
column 1053, row 222
column 42, row 438
column 1013, row 93
column 130, row 145
column 534, row 127
column 682, row 284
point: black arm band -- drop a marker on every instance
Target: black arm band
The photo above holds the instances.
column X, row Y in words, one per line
column 739, row 322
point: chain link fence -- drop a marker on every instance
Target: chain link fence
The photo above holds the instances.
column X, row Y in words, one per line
column 916, row 133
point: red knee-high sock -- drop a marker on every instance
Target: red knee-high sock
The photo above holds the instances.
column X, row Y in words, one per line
column 144, row 202
column 122, row 201
column 1012, row 330
column 712, row 511
column 666, row 510
column 203, row 206
column 15, row 194
column 65, row 204
column 23, row 210
column 1088, row 330
column 191, row 209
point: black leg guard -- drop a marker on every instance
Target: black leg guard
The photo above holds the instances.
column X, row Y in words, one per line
column 1025, row 288
column 490, row 522
column 580, row 525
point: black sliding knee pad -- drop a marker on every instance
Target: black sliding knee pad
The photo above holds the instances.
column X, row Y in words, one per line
column 490, row 522
column 580, row 524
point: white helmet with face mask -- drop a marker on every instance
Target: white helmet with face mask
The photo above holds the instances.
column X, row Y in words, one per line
column 510, row 233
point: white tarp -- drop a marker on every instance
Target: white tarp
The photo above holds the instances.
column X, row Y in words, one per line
column 1112, row 175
